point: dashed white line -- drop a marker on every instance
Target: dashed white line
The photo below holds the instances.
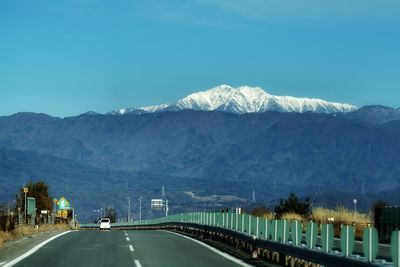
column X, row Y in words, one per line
column 126, row 234
column 223, row 254
column 137, row 263
column 131, row 248
column 127, row 239
column 33, row 250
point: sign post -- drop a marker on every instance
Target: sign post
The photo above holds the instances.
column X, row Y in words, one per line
column 25, row 211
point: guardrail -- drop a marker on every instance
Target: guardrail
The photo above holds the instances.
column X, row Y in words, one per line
column 279, row 236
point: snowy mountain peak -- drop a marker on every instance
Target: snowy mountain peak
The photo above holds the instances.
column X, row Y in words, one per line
column 243, row 99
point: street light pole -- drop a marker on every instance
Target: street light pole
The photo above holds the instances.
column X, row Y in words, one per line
column 355, row 207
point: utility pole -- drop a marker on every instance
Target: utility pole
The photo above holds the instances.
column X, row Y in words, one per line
column 254, row 196
column 163, row 191
column 140, row 209
column 166, row 208
column 129, row 209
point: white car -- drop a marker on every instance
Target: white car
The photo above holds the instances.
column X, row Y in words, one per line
column 105, row 224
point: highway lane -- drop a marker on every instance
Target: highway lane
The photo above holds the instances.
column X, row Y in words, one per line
column 126, row 248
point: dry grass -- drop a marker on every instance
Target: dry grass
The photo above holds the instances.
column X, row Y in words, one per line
column 342, row 215
column 267, row 215
column 292, row 216
column 4, row 236
column 24, row 230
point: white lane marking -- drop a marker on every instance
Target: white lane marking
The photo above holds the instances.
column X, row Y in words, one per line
column 137, row 263
column 131, row 248
column 4, row 262
column 33, row 250
column 126, row 234
column 223, row 254
column 127, row 239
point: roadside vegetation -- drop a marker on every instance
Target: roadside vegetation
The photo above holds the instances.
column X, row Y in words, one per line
column 12, row 224
column 27, row 230
column 294, row 208
column 342, row 215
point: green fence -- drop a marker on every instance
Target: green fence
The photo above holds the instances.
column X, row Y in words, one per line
column 281, row 231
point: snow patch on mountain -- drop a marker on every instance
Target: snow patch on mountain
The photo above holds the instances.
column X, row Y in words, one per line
column 244, row 99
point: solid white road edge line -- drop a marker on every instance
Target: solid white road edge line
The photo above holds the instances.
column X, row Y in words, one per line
column 131, row 248
column 223, row 254
column 4, row 262
column 34, row 249
column 137, row 263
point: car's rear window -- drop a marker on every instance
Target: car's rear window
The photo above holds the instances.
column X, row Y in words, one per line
column 105, row 220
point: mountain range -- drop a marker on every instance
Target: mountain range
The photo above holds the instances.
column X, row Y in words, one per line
column 206, row 158
column 243, row 99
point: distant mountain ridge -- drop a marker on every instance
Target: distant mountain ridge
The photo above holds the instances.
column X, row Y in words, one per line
column 376, row 114
column 244, row 99
column 203, row 152
column 288, row 148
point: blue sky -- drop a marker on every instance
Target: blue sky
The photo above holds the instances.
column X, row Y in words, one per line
column 66, row 57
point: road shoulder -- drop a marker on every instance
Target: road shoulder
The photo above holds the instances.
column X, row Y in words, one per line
column 16, row 248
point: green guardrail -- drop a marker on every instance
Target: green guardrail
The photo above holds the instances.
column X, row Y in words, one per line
column 281, row 231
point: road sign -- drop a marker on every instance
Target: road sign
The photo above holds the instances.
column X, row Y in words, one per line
column 62, row 213
column 347, row 240
column 63, row 204
column 31, row 205
column 157, row 203
column 370, row 243
column 26, row 190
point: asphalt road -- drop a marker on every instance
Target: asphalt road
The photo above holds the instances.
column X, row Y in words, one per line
column 126, row 248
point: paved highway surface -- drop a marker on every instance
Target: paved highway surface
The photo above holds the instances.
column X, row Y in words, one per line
column 127, row 248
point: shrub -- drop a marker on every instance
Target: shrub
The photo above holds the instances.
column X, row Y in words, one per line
column 293, row 205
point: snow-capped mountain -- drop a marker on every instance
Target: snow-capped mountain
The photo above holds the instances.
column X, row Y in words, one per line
column 243, row 99
column 147, row 109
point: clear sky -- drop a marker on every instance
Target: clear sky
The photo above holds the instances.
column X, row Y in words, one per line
column 65, row 57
